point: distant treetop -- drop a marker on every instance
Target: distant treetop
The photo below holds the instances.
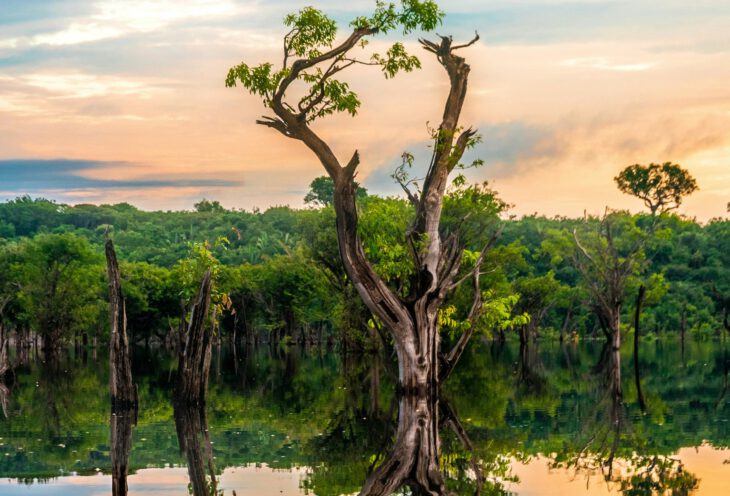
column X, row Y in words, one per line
column 661, row 187
column 208, row 206
column 322, row 192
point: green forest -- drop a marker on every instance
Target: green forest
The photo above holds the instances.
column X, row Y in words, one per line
column 280, row 278
column 431, row 343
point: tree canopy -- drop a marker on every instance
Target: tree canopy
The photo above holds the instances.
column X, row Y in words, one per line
column 661, row 187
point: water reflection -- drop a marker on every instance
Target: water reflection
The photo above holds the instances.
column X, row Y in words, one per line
column 120, row 425
column 610, row 445
column 193, row 437
column 313, row 423
column 414, row 459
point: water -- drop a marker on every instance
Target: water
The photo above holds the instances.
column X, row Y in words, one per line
column 547, row 420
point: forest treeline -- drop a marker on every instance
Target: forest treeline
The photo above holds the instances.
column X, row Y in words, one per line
column 279, row 274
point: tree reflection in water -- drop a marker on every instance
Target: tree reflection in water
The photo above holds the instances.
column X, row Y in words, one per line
column 121, row 433
column 191, row 424
column 414, row 458
column 608, row 444
column 417, row 464
column 339, row 425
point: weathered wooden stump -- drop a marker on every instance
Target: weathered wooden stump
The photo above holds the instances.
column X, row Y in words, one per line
column 123, row 391
column 195, row 353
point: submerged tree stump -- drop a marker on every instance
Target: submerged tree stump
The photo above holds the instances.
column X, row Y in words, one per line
column 123, row 392
column 195, row 354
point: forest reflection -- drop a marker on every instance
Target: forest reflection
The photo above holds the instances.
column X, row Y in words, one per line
column 339, row 425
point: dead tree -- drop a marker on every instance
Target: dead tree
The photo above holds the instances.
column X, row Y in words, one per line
column 637, row 371
column 411, row 319
column 195, row 355
column 605, row 268
column 123, row 391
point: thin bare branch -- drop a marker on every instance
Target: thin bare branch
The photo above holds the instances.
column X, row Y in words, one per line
column 583, row 250
column 478, row 264
column 474, row 40
column 274, row 123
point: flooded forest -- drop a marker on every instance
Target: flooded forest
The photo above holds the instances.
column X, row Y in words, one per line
column 431, row 343
column 215, row 351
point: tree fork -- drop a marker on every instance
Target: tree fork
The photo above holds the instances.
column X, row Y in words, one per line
column 411, row 320
column 414, row 459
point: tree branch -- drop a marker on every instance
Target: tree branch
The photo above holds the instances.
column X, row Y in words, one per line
column 480, row 259
column 474, row 40
column 451, row 358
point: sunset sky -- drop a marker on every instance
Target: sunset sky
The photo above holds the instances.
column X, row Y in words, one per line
column 124, row 100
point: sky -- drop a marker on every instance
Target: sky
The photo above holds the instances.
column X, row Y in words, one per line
column 106, row 101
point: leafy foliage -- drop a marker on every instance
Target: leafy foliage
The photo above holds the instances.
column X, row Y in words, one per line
column 661, row 187
column 311, row 38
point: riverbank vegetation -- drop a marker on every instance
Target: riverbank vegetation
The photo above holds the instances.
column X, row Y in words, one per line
column 281, row 278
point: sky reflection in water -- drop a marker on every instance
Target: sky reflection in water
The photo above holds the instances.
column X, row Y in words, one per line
column 296, row 423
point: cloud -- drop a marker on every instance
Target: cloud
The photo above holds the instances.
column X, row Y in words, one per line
column 37, row 176
column 605, row 64
column 78, row 85
column 118, row 18
column 565, row 92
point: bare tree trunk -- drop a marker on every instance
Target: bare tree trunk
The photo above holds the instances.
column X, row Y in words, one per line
column 123, row 392
column 616, row 327
column 566, row 324
column 195, row 355
column 637, row 373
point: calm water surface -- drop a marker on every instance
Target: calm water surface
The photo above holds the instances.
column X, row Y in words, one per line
column 549, row 419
